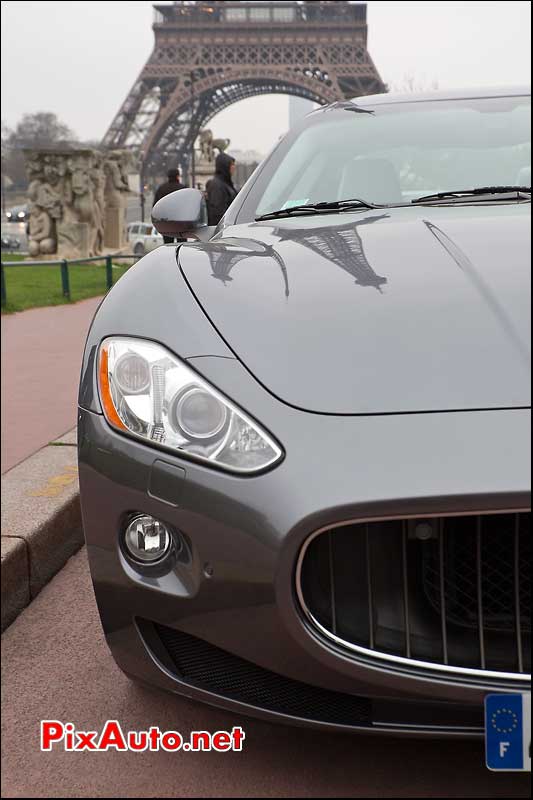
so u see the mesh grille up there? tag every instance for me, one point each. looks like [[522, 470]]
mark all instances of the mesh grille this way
[[497, 570], [207, 667]]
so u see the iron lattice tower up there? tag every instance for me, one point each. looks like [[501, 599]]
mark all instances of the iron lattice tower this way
[[207, 56]]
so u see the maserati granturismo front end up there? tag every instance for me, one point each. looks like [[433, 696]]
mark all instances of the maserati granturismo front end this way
[[304, 435]]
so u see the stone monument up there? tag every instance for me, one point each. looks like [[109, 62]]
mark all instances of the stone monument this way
[[77, 201], [206, 154]]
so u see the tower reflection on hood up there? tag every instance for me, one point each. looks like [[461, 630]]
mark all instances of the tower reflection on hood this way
[[341, 245], [226, 253]]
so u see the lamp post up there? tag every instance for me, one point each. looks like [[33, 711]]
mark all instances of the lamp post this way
[[141, 187], [193, 154]]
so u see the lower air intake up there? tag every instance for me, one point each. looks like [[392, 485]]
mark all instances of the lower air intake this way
[[207, 667]]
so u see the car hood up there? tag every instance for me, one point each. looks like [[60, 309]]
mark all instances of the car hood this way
[[390, 311]]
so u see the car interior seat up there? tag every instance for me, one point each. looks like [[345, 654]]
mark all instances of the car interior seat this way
[[524, 177], [373, 179]]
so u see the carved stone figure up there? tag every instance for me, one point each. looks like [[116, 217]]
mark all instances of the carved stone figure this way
[[116, 194], [44, 192], [208, 145], [46, 183], [117, 182], [98, 178], [41, 232], [221, 144], [83, 207]]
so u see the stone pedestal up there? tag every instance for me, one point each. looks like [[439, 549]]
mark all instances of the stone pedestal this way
[[114, 231], [204, 171]]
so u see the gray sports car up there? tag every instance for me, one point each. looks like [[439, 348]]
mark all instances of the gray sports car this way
[[304, 435]]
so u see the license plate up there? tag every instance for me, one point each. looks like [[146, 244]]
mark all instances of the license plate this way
[[508, 732]]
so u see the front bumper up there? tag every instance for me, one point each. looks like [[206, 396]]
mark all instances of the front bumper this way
[[236, 597]]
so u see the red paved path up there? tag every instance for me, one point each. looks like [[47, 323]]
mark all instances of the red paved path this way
[[56, 665], [41, 358]]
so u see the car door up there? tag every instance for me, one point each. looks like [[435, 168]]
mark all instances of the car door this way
[[152, 239], [133, 233]]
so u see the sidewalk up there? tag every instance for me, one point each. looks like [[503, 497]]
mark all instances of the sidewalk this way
[[41, 359], [41, 523]]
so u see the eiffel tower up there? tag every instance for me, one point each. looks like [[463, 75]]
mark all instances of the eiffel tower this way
[[208, 55]]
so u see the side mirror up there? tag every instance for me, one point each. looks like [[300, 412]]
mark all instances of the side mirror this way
[[180, 213]]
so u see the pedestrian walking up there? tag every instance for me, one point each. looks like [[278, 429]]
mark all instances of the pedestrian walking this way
[[220, 190], [173, 184]]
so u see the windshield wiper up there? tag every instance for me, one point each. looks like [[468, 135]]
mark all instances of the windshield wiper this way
[[473, 193], [318, 208]]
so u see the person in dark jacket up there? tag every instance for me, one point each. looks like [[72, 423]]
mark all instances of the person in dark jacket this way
[[220, 190], [172, 185]]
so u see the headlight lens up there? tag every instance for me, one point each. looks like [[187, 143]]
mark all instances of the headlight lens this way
[[148, 393], [198, 414]]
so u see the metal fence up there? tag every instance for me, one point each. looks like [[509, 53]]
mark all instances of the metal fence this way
[[63, 265]]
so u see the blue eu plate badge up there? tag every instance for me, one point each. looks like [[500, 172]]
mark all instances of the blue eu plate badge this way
[[508, 732]]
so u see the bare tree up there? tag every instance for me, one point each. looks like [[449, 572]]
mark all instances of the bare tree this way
[[6, 180], [42, 129], [6, 136]]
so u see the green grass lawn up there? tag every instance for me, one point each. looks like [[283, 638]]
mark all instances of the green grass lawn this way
[[30, 287]]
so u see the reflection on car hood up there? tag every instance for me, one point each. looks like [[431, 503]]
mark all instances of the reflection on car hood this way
[[397, 310]]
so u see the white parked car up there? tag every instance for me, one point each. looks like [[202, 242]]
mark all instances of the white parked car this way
[[143, 238]]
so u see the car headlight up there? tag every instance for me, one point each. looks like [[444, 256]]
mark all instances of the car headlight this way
[[148, 393], [21, 215]]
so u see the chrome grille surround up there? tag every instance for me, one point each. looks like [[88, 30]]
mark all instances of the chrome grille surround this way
[[408, 660]]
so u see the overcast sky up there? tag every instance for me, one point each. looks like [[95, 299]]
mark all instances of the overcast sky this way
[[79, 59]]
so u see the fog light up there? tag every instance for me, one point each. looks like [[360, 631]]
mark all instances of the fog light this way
[[147, 539]]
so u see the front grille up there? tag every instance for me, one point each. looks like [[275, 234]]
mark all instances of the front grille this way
[[207, 667], [448, 591]]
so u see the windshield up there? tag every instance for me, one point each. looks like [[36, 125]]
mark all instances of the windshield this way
[[400, 152]]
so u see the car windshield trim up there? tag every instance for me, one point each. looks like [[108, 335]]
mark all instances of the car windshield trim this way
[[460, 194], [319, 208]]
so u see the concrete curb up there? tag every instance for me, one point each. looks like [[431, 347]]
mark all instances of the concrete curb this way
[[41, 523]]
